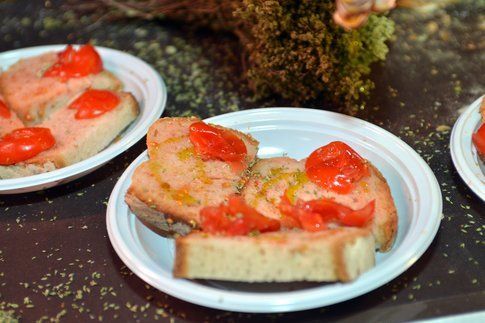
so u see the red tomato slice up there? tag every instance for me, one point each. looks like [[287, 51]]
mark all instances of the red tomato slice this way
[[312, 222], [72, 63], [235, 218], [251, 216], [4, 110], [289, 222], [289, 215], [214, 143], [213, 219], [24, 143], [360, 217], [336, 167], [93, 103], [328, 209], [300, 215], [479, 140], [315, 215]]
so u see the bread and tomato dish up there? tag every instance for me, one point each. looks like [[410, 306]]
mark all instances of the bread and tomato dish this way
[[478, 137], [240, 218], [57, 109], [169, 191]]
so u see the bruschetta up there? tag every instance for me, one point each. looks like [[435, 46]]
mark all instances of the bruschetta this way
[[57, 109], [274, 178], [33, 89], [168, 191], [76, 138]]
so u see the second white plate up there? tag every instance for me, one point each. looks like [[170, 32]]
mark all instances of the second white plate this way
[[295, 132], [463, 152], [138, 77]]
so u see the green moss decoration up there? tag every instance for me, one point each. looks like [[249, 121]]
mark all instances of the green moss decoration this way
[[297, 51], [292, 48]]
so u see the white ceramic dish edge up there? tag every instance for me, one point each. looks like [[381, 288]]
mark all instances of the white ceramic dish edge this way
[[463, 152]]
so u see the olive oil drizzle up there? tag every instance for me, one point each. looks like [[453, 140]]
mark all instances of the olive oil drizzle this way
[[298, 179], [181, 196], [154, 147], [189, 152]]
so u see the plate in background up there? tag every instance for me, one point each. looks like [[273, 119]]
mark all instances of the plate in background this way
[[463, 152], [295, 132], [138, 77]]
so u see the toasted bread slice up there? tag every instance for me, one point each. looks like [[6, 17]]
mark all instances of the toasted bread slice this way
[[76, 139], [11, 123], [331, 255], [271, 177], [168, 191], [34, 97]]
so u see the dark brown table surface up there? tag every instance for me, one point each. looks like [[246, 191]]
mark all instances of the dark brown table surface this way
[[56, 261]]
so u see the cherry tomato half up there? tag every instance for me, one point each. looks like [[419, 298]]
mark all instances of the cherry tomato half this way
[[93, 103], [72, 63], [24, 143], [315, 215], [215, 143], [235, 218], [4, 111], [336, 167]]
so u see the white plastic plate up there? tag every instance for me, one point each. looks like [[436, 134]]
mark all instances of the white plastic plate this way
[[138, 78], [463, 152], [295, 132]]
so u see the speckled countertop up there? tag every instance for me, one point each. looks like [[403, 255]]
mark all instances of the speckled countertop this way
[[56, 262]]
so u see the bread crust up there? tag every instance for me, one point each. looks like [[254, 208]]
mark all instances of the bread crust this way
[[387, 231], [166, 225], [180, 264]]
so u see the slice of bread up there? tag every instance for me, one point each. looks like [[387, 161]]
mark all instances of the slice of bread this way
[[9, 124], [76, 139], [25, 169], [333, 255], [168, 191], [34, 97], [270, 178]]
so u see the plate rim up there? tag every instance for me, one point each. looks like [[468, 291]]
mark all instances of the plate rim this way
[[357, 289], [79, 169], [461, 157]]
